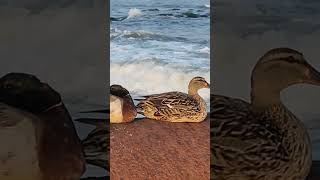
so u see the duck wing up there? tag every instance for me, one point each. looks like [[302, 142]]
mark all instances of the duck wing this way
[[223, 107], [169, 103], [96, 147], [242, 143]]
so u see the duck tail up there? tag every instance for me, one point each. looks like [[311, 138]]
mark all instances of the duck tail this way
[[140, 107], [96, 148], [140, 112]]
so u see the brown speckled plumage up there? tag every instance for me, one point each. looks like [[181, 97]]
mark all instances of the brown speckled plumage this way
[[272, 144], [263, 140], [176, 106]]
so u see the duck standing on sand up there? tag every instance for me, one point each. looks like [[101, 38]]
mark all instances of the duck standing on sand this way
[[263, 140], [122, 108], [176, 106], [38, 138]]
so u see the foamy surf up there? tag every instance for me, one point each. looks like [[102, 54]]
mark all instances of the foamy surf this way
[[141, 34], [153, 53], [134, 12], [205, 50], [144, 78]]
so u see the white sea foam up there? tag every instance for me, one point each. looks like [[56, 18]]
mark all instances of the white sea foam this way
[[205, 50], [207, 5], [134, 12], [141, 34], [143, 78]]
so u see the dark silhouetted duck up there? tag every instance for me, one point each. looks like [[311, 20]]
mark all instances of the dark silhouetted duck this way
[[176, 106], [122, 108], [38, 138], [96, 144], [263, 139]]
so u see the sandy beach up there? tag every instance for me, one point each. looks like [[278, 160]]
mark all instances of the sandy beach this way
[[149, 149]]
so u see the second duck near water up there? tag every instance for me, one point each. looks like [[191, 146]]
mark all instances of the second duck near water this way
[[176, 106]]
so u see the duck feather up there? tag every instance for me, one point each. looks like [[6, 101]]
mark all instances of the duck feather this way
[[245, 143]]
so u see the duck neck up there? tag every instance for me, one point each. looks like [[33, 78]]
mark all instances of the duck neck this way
[[193, 92], [263, 97]]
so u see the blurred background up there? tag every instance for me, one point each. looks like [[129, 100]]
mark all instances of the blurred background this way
[[62, 42], [245, 30]]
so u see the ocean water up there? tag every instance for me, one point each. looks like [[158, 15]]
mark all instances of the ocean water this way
[[245, 30], [159, 46]]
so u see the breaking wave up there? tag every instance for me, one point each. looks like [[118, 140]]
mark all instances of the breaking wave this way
[[152, 76], [134, 12], [143, 35]]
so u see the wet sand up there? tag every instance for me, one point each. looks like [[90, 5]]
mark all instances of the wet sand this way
[[149, 149]]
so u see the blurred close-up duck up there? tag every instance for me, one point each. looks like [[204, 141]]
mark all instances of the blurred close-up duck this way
[[96, 144], [176, 106], [37, 136], [262, 139], [122, 108]]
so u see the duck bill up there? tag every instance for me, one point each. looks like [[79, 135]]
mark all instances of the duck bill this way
[[208, 85], [313, 76]]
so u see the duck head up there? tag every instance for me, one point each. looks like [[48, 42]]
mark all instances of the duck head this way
[[119, 91], [278, 69], [27, 92], [197, 83], [122, 108]]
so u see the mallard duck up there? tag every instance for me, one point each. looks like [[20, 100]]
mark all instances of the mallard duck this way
[[176, 106], [38, 138], [263, 140], [122, 108]]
